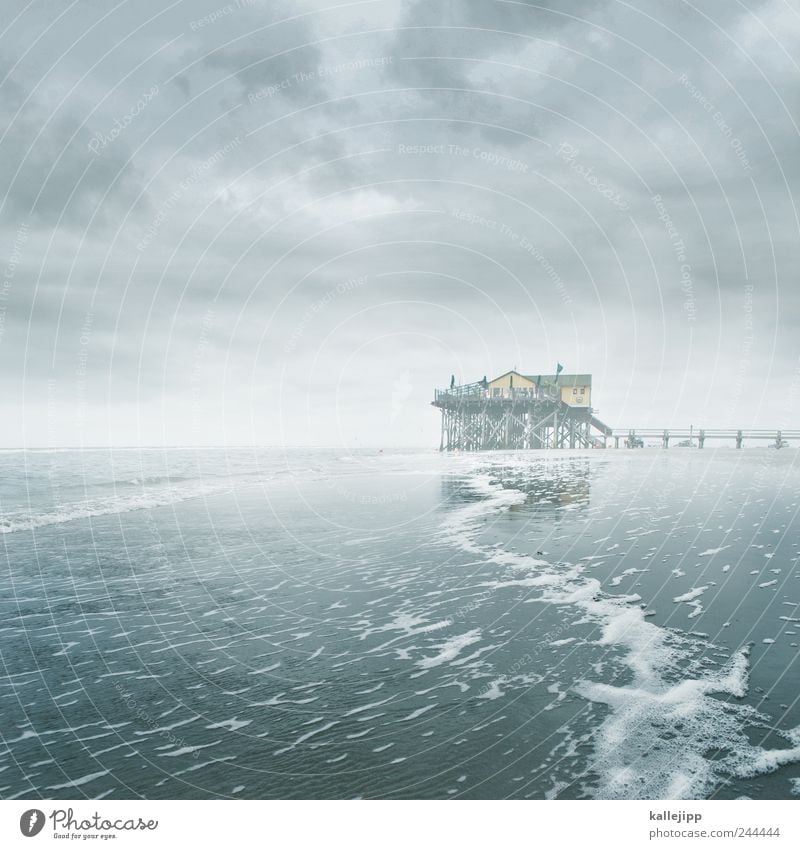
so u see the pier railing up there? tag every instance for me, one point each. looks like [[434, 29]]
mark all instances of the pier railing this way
[[468, 390], [634, 436], [477, 391]]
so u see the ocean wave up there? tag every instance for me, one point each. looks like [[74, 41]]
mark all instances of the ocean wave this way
[[92, 508], [659, 727]]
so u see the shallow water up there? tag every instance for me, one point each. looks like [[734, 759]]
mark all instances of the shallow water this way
[[298, 624]]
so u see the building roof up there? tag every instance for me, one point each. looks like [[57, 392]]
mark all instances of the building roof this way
[[506, 373], [563, 379]]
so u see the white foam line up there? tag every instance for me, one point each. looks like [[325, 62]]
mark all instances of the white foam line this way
[[371, 705], [418, 712], [78, 782], [265, 669], [231, 724], [653, 742], [691, 595], [450, 649], [303, 737], [188, 750], [161, 729], [143, 500], [711, 551]]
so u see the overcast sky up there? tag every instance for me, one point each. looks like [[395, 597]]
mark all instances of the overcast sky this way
[[287, 223]]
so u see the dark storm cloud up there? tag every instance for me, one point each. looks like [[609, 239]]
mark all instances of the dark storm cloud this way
[[322, 198], [48, 170], [470, 30], [278, 62]]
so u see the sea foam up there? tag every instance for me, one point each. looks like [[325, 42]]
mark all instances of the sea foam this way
[[660, 726]]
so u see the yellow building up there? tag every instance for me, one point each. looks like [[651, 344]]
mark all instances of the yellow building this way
[[574, 389], [501, 386], [519, 411]]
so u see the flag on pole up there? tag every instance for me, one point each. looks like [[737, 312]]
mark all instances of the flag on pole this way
[[559, 369]]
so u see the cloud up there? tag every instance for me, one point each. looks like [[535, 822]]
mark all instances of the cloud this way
[[48, 171], [516, 183]]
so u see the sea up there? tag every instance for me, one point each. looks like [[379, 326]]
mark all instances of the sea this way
[[271, 623]]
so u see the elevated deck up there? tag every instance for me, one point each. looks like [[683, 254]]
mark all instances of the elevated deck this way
[[473, 419], [548, 412]]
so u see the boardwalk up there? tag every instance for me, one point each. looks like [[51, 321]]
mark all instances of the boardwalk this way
[[691, 436], [516, 411]]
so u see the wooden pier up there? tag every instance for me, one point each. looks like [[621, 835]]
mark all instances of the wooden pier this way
[[691, 437], [516, 411]]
